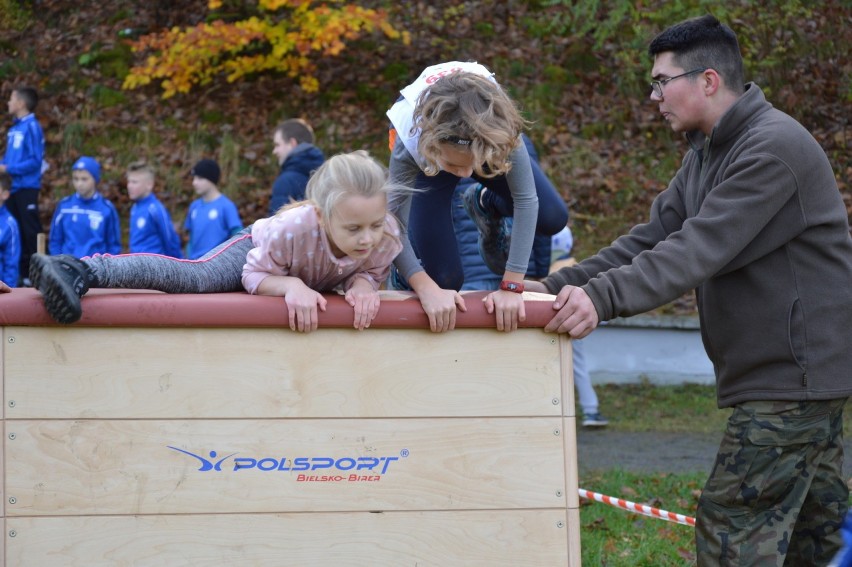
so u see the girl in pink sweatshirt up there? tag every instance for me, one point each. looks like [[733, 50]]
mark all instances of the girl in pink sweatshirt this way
[[341, 237]]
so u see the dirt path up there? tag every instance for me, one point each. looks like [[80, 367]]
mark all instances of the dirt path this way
[[656, 452]]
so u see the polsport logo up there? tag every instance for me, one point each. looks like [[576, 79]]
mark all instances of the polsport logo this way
[[372, 465]]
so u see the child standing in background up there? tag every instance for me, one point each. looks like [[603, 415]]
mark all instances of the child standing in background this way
[[10, 236], [151, 228], [562, 244], [85, 223], [212, 218], [24, 161], [341, 237]]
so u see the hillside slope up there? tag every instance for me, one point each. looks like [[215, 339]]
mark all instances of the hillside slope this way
[[600, 139]]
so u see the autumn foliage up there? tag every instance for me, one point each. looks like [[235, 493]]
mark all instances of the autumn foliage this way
[[283, 36], [578, 69]]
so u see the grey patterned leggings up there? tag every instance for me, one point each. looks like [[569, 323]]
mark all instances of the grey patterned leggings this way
[[218, 271]]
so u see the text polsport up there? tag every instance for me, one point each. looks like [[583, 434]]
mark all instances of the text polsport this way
[[315, 463]]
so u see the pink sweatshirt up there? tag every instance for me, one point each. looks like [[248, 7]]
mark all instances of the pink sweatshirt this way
[[292, 243]]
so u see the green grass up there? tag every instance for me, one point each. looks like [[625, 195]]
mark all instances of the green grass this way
[[14, 15], [686, 408], [613, 537]]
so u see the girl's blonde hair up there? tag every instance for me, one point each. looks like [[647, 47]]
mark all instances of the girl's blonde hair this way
[[468, 112], [342, 175]]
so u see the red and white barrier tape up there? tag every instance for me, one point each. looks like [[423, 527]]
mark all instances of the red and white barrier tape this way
[[638, 508]]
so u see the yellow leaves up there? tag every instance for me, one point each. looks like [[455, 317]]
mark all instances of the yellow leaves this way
[[393, 33], [273, 5], [309, 84], [184, 58]]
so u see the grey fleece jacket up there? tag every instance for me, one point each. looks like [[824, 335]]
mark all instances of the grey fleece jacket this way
[[755, 223]]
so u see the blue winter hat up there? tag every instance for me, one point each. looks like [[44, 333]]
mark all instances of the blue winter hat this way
[[89, 164]]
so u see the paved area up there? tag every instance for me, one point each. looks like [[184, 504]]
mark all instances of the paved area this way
[[645, 452], [657, 452]]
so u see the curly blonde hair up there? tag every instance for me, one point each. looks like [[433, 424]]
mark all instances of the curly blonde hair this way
[[469, 112]]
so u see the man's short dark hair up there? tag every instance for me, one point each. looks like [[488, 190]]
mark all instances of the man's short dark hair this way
[[703, 42], [30, 97], [297, 129]]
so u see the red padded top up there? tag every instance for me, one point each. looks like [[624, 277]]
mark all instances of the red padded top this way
[[142, 308]]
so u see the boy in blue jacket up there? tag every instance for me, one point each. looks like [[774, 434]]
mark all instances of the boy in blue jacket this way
[[212, 218], [151, 227], [10, 237], [23, 160], [85, 223]]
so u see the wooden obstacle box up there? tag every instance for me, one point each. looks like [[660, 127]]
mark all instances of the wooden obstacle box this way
[[170, 430]]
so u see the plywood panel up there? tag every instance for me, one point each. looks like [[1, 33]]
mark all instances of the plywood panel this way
[[56, 372], [569, 426], [217, 466], [440, 539], [3, 473]]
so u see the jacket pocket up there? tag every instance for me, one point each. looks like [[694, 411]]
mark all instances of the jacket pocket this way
[[797, 336]]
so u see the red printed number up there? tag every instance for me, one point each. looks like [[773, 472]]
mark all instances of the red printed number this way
[[432, 78]]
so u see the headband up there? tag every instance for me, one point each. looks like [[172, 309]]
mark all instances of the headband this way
[[457, 140]]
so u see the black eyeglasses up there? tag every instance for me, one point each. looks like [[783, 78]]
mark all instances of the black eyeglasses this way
[[657, 86]]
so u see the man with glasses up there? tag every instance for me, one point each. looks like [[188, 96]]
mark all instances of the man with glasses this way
[[754, 222]]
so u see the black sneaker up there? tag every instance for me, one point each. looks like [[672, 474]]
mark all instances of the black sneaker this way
[[493, 234], [595, 420], [62, 281]]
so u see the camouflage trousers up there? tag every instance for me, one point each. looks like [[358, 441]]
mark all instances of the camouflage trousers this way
[[776, 495]]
